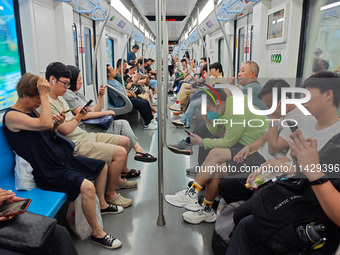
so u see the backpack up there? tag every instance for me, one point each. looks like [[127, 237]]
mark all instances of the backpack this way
[[224, 227], [281, 207]]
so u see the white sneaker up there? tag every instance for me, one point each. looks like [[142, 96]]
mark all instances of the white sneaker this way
[[153, 102], [154, 121], [182, 198], [174, 98], [151, 126], [175, 107], [206, 214]]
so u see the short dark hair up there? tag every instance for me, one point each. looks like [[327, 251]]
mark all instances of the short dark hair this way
[[132, 66], [136, 46], [205, 68], [325, 81], [221, 94], [184, 60], [107, 69], [57, 69], [274, 83], [74, 76], [150, 59], [205, 59], [217, 66], [27, 85], [119, 62]]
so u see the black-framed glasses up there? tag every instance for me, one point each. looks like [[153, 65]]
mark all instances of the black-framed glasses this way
[[66, 85]]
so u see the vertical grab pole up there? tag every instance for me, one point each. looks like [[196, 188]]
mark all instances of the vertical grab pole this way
[[123, 53], [165, 70], [205, 47], [231, 67], [96, 51], [160, 219]]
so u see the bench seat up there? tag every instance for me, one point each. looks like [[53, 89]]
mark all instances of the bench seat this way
[[44, 202]]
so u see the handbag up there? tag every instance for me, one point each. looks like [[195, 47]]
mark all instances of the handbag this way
[[26, 232], [103, 122]]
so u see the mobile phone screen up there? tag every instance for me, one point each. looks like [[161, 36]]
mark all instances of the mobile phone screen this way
[[187, 132], [87, 104], [14, 208], [291, 126]]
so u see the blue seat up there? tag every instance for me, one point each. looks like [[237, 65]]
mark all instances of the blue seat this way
[[44, 202]]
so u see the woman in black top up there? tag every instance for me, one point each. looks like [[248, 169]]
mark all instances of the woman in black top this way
[[55, 168]]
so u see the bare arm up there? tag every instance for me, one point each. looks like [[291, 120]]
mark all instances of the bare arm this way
[[99, 105], [70, 126], [327, 195], [17, 121]]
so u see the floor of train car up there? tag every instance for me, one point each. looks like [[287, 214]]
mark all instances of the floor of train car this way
[[136, 227]]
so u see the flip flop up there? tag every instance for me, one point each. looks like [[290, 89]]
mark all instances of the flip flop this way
[[131, 174], [146, 157]]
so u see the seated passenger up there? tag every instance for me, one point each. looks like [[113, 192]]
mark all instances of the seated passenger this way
[[146, 70], [138, 103], [184, 71], [33, 138], [76, 101], [325, 93], [234, 136], [247, 78], [108, 147], [135, 84], [59, 241]]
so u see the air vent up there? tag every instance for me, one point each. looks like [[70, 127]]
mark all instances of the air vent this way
[[168, 18]]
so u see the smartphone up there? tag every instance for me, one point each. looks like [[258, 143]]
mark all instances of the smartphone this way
[[14, 208], [87, 104], [291, 126], [186, 131]]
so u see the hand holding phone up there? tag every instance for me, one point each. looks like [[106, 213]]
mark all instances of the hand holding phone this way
[[186, 131], [87, 104], [18, 207], [292, 127]]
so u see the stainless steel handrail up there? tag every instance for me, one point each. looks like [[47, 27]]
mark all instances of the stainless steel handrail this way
[[160, 219], [226, 41], [96, 51]]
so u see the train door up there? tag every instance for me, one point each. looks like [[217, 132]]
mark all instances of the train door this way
[[221, 56], [84, 28], [244, 36]]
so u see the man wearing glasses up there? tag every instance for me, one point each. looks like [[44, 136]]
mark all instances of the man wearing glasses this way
[[107, 147]]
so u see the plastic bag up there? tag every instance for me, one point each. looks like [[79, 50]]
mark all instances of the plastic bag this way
[[77, 220], [24, 179]]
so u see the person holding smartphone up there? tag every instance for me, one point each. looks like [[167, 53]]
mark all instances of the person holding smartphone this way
[[58, 243], [76, 101], [32, 137]]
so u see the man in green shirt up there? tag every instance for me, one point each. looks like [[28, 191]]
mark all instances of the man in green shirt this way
[[236, 131]]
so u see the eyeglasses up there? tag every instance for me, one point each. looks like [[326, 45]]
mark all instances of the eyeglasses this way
[[66, 85]]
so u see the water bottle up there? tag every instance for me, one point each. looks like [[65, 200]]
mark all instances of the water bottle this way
[[261, 179]]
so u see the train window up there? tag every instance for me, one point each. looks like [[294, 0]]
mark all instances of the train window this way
[[110, 52], [221, 51], [240, 47], [88, 55], [322, 37], [75, 43], [251, 42]]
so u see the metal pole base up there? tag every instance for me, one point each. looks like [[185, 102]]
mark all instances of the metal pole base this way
[[161, 221]]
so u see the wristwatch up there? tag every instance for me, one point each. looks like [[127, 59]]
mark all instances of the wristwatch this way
[[273, 123], [320, 180]]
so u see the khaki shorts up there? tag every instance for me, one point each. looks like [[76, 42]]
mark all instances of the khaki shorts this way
[[98, 146]]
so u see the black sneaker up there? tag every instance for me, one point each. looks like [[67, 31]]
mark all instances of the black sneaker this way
[[108, 241], [112, 209]]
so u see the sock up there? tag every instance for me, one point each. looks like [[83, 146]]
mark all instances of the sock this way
[[196, 186], [207, 203]]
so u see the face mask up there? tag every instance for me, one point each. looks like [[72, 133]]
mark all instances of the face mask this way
[[200, 65], [212, 115]]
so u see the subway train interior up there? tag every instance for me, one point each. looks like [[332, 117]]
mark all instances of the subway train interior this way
[[177, 56]]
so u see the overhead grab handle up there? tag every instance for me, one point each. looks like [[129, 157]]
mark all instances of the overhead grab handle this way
[[99, 10], [235, 6], [83, 6], [223, 12]]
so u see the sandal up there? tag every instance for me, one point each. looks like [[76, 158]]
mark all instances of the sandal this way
[[127, 185], [131, 174], [146, 157]]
